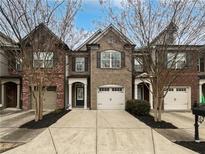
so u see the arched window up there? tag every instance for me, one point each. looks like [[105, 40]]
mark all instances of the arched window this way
[[110, 59]]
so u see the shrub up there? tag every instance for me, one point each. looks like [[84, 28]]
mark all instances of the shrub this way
[[138, 107]]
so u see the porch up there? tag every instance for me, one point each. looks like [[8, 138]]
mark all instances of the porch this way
[[143, 90], [10, 92], [77, 93]]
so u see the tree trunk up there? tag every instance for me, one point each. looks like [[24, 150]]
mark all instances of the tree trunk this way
[[155, 108]]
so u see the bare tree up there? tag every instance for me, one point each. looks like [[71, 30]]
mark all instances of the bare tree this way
[[18, 20], [155, 27]]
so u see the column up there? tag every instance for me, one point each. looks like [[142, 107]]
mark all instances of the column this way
[[18, 96], [136, 92], [151, 96], [70, 97], [2, 95], [85, 96], [200, 92]]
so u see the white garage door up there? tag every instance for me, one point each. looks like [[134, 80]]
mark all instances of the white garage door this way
[[177, 98], [50, 97], [111, 98]]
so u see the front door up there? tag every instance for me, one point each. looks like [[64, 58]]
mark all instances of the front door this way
[[79, 96], [11, 94]]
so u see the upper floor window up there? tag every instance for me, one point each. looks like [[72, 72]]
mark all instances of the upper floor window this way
[[110, 59], [138, 64], [201, 64], [79, 64], [43, 59], [176, 60]]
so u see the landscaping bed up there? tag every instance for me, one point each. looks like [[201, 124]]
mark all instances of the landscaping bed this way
[[47, 120], [197, 147], [149, 120]]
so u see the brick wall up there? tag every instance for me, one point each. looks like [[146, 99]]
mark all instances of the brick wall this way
[[100, 76]]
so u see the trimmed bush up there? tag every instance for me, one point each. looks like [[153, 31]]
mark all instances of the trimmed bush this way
[[138, 107]]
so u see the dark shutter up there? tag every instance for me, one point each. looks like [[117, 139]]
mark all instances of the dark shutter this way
[[55, 59], [123, 59], [98, 59], [86, 64], [73, 63]]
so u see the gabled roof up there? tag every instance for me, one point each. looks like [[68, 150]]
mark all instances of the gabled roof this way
[[89, 39], [99, 34], [171, 27], [43, 26], [6, 41]]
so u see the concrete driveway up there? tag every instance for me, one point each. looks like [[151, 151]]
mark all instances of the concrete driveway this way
[[11, 135], [185, 123], [103, 132]]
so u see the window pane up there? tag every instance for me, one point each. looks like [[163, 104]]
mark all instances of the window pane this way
[[105, 59], [138, 64], [80, 64], [202, 66], [116, 59], [105, 63], [176, 60], [43, 59]]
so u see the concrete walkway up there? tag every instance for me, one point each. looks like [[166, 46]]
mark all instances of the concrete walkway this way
[[102, 132]]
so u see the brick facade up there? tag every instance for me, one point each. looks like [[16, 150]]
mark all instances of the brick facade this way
[[101, 76], [54, 76]]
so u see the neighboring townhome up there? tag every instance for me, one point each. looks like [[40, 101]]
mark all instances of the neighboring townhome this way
[[10, 80], [178, 68], [43, 67]]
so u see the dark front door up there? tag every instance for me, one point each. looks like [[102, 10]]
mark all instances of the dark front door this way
[[79, 96], [11, 94]]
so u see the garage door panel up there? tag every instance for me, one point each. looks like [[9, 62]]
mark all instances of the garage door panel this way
[[50, 97], [177, 98], [111, 98]]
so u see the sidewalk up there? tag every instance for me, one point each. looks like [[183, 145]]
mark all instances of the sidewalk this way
[[103, 132]]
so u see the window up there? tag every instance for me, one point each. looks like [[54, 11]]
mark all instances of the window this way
[[104, 89], [201, 64], [170, 89], [79, 64], [138, 64], [43, 59], [176, 60], [117, 89], [110, 59], [181, 89]]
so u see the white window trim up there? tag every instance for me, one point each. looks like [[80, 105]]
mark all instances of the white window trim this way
[[110, 59]]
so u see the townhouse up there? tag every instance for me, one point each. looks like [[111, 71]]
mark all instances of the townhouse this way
[[104, 72]]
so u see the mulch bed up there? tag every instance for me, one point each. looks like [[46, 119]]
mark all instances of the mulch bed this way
[[47, 120], [198, 147], [149, 120]]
